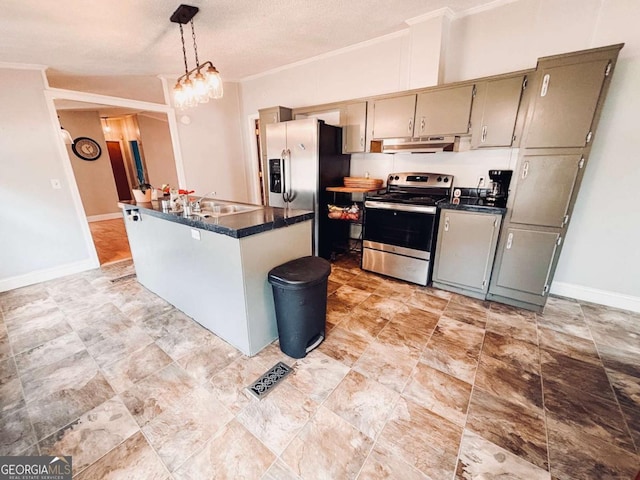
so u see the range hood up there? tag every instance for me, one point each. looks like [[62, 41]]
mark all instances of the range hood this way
[[433, 144]]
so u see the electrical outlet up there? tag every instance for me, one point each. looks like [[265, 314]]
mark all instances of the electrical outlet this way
[[480, 181], [195, 234]]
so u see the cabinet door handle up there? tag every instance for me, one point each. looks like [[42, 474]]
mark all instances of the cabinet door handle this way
[[509, 241], [362, 141], [446, 224], [422, 125], [545, 85], [525, 170], [410, 129], [484, 134]]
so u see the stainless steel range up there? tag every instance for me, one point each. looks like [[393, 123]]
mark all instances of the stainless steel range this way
[[399, 225]]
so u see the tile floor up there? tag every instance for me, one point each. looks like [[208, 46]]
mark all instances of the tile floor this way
[[110, 239], [411, 383]]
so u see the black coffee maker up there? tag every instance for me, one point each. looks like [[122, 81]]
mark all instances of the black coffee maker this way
[[500, 180]]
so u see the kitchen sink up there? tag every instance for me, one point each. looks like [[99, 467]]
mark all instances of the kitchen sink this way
[[219, 209]]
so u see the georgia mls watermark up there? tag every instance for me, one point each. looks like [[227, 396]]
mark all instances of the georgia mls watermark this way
[[35, 468]]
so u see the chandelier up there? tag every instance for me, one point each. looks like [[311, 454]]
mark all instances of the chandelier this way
[[201, 83]]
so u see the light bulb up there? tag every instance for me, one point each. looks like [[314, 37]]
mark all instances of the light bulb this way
[[200, 88], [190, 97], [214, 82], [179, 97]]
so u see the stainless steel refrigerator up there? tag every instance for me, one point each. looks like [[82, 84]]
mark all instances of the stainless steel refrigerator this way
[[304, 158]]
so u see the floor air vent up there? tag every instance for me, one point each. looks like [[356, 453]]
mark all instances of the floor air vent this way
[[123, 278], [267, 382]]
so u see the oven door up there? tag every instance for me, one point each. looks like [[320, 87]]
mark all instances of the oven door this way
[[397, 240], [406, 226]]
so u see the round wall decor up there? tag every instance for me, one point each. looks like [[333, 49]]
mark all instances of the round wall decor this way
[[86, 148]]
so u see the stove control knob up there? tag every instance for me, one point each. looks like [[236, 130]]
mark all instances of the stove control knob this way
[[397, 177], [446, 179], [439, 179], [390, 177]]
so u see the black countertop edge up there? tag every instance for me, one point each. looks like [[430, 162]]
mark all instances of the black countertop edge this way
[[237, 225], [473, 205]]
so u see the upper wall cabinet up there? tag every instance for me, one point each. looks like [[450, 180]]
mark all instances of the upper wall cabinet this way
[[393, 117], [495, 111], [443, 112], [354, 123], [565, 104]]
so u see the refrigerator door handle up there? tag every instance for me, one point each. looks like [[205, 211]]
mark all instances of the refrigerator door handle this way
[[287, 194], [284, 175]]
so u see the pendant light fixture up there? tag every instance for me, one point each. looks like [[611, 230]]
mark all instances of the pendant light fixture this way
[[202, 82]]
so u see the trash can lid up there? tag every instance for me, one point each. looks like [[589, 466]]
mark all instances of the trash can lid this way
[[300, 273]]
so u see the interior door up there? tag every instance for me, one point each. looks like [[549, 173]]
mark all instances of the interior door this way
[[119, 170], [544, 189]]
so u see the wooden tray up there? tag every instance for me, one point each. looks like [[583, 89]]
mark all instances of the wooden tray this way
[[361, 182]]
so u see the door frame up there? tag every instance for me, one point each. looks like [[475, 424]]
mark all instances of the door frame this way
[[52, 94], [253, 179]]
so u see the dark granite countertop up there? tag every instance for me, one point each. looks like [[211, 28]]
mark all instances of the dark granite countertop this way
[[237, 225], [472, 204]]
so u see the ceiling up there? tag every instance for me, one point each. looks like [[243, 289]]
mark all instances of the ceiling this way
[[241, 37]]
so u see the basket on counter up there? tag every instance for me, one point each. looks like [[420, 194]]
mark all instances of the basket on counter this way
[[362, 182]]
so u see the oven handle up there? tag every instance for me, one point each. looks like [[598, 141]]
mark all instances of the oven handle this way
[[401, 207]]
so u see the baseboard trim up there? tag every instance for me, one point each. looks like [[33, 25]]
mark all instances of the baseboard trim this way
[[104, 216], [38, 276], [594, 295]]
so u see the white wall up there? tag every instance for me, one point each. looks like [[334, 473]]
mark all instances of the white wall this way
[[94, 178], [602, 246], [211, 144], [41, 236], [599, 261], [155, 139]]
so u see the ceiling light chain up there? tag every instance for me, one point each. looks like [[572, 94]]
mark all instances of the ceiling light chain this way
[[195, 46], [205, 85], [184, 52]]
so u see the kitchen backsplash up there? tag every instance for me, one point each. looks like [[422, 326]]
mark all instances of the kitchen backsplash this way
[[466, 167]]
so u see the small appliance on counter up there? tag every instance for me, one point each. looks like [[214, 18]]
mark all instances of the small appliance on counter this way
[[500, 180]]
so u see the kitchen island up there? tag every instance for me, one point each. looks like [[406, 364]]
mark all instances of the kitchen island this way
[[215, 269]]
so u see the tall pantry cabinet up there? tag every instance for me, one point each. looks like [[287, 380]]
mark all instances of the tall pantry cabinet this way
[[569, 91]]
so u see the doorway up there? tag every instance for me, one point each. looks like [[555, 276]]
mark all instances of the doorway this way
[[261, 173], [110, 240], [119, 171]]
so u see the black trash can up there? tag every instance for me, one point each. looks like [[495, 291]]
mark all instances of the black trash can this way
[[300, 297]]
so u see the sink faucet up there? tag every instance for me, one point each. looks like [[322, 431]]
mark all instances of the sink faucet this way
[[196, 204]]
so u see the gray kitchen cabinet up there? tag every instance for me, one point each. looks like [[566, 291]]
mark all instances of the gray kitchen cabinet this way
[[525, 262], [354, 124], [563, 112], [465, 251], [443, 111], [495, 111], [547, 207], [266, 117], [393, 117], [566, 99]]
